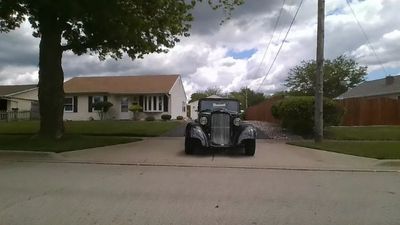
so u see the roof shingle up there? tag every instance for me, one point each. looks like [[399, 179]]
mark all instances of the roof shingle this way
[[145, 84], [373, 88], [12, 89]]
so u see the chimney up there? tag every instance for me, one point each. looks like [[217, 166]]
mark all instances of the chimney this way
[[389, 80]]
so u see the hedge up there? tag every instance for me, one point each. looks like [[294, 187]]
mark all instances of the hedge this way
[[297, 113]]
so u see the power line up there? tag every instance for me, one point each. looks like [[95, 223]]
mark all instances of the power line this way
[[273, 33], [283, 41], [366, 37]]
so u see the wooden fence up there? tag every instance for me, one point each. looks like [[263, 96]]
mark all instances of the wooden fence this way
[[377, 111], [262, 111], [357, 111]]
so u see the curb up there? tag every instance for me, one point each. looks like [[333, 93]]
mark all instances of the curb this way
[[211, 166]]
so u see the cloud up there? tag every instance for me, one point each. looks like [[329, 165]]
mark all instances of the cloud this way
[[230, 55]]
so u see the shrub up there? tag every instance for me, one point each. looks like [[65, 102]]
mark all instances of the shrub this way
[[150, 118], [135, 109], [102, 108], [166, 117], [297, 113], [179, 117]]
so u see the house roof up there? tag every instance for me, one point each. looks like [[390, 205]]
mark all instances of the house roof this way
[[6, 90], [371, 88], [144, 84]]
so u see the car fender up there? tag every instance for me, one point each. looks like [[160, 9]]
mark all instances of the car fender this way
[[247, 132], [194, 131]]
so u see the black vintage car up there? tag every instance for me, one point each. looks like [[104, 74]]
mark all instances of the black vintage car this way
[[219, 125]]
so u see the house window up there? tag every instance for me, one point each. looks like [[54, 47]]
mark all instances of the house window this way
[[153, 103], [160, 103], [183, 107], [124, 104], [97, 99], [68, 104]]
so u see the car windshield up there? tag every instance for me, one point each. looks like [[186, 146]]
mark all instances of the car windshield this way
[[211, 105]]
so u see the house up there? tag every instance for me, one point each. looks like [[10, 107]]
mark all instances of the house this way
[[192, 107], [157, 94], [18, 101], [375, 102], [388, 87]]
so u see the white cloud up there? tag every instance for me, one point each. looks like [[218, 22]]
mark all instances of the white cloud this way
[[202, 59]]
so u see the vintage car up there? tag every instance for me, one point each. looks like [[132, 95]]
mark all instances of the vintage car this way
[[219, 125]]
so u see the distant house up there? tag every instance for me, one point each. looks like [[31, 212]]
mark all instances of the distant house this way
[[388, 87], [157, 94], [15, 100], [192, 109]]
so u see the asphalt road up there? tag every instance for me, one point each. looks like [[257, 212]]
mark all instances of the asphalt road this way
[[78, 193]]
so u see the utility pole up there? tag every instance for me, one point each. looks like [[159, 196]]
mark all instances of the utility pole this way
[[319, 76], [247, 105]]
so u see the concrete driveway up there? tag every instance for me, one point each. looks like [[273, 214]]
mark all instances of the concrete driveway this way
[[269, 154]]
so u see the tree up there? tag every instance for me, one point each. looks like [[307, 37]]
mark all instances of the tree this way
[[253, 98], [204, 94], [106, 28], [340, 74], [135, 109]]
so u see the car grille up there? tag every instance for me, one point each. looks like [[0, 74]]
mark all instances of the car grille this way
[[220, 128]]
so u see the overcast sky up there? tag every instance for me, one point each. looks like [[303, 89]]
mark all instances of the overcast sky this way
[[230, 55]]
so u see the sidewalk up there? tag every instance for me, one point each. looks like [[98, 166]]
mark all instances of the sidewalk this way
[[168, 151]]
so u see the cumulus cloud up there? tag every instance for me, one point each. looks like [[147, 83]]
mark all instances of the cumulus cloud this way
[[210, 57]]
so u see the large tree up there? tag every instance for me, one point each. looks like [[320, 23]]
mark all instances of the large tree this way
[[102, 27], [340, 74]]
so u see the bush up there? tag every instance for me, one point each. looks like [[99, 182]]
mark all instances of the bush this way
[[179, 117], [150, 118], [297, 113], [166, 117]]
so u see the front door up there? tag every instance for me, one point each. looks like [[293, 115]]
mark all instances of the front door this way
[[124, 107]]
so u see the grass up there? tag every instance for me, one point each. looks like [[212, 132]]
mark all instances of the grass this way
[[379, 142], [20, 135], [67, 143], [363, 133], [103, 128], [371, 149]]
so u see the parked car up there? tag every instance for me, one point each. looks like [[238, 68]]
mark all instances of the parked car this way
[[219, 125]]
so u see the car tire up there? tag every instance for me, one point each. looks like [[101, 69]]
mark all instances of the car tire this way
[[189, 146], [250, 147]]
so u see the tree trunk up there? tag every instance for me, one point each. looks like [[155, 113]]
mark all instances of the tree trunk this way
[[51, 80]]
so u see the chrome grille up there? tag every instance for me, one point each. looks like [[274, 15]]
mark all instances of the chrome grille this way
[[220, 128]]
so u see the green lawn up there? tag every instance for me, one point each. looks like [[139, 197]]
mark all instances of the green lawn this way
[[103, 128], [79, 134], [363, 133], [371, 149], [67, 143]]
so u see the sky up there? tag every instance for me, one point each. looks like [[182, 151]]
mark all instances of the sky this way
[[233, 55]]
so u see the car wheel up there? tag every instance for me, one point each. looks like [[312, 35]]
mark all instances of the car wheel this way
[[250, 147], [189, 146]]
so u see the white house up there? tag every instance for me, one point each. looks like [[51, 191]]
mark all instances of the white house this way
[[157, 94], [18, 101]]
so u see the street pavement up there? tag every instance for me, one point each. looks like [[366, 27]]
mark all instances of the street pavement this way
[[153, 182], [38, 193]]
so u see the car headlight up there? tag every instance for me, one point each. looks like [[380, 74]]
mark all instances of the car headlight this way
[[236, 121], [203, 120]]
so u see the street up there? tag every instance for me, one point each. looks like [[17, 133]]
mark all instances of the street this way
[[80, 193]]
